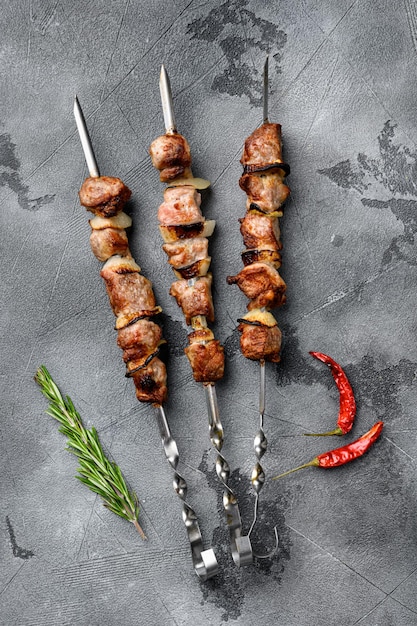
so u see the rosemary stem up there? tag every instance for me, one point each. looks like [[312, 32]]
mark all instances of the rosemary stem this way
[[96, 470], [139, 529]]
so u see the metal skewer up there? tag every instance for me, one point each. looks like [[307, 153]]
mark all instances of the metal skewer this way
[[204, 561], [240, 545], [260, 442], [260, 445], [266, 90], [167, 104], [85, 140]]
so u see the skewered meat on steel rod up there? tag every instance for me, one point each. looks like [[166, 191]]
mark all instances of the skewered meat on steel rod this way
[[133, 303], [260, 338], [185, 231]]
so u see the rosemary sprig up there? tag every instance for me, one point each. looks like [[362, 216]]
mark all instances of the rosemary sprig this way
[[95, 470]]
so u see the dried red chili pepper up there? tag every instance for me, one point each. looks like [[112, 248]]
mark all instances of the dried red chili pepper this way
[[347, 404], [342, 455]]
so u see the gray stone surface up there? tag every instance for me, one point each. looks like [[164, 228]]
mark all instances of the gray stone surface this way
[[344, 87]]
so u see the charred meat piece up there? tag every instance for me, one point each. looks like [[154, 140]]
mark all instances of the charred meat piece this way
[[266, 192], [207, 361], [104, 195], [263, 149], [139, 340], [171, 155], [129, 292], [261, 283], [181, 206], [186, 252], [259, 342], [108, 242], [194, 299], [150, 382], [260, 231]]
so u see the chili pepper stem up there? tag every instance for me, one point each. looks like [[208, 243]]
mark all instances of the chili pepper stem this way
[[336, 431], [139, 529], [313, 462]]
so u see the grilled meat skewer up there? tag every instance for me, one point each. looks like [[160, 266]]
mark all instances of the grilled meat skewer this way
[[262, 180], [138, 335], [185, 231]]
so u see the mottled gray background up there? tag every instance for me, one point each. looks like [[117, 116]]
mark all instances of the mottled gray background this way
[[344, 87]]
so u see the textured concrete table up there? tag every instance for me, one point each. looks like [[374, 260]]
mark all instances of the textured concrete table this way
[[344, 87]]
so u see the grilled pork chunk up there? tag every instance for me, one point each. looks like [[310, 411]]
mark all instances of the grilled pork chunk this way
[[263, 148], [181, 206], [186, 252], [260, 231], [130, 293], [259, 342], [104, 195], [261, 283], [150, 382], [171, 155], [109, 241], [194, 297], [266, 192], [207, 360], [139, 340]]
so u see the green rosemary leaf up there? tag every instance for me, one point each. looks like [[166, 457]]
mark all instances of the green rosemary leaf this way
[[93, 488], [96, 471]]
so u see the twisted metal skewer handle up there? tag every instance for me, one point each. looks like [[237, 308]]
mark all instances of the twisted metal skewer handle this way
[[260, 445], [240, 544], [260, 442], [204, 561]]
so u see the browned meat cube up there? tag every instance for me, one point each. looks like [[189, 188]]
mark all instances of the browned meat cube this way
[[171, 155], [104, 195], [129, 292], [259, 342], [266, 192], [181, 206], [150, 382], [263, 148], [207, 361], [139, 340], [108, 242], [260, 231], [186, 252], [261, 283], [194, 299]]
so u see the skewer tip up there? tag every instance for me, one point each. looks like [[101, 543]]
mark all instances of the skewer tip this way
[[166, 99], [85, 139]]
